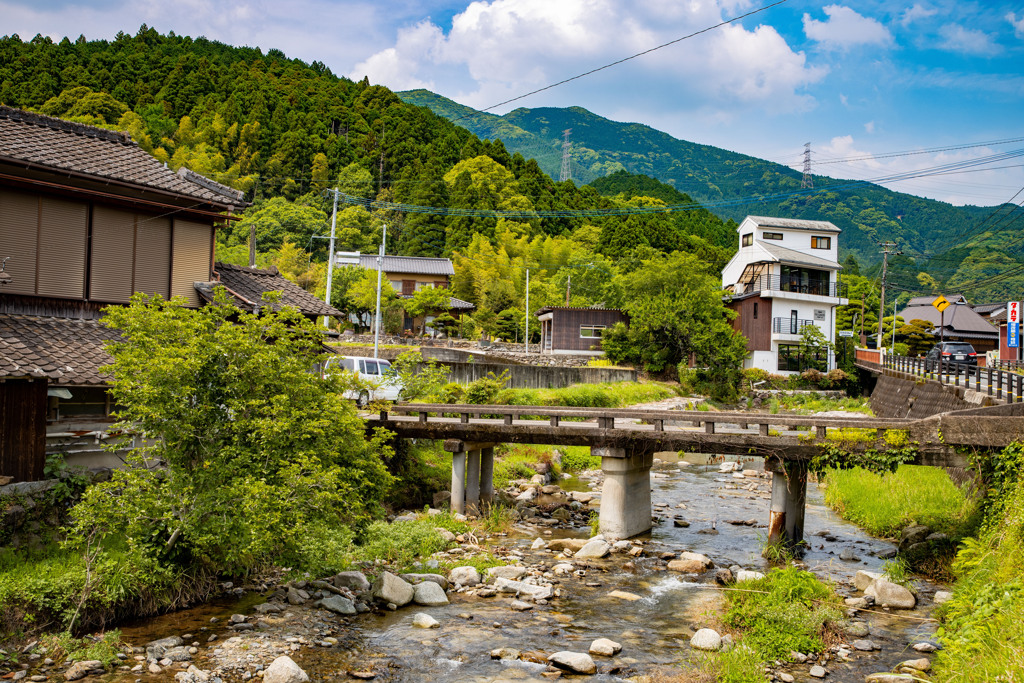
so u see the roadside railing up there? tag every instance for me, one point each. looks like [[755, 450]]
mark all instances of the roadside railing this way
[[999, 383], [1012, 365]]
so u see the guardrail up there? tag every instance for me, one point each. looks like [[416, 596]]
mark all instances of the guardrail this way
[[998, 383], [786, 325], [1013, 365]]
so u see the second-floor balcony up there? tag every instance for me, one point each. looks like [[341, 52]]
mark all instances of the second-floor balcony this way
[[798, 285], [789, 325]]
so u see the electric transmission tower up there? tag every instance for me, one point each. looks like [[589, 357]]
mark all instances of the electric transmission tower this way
[[808, 181], [566, 173]]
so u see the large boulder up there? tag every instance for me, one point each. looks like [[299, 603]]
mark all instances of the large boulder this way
[[559, 544], [82, 669], [605, 647], [595, 549], [887, 593], [913, 535], [690, 563], [422, 620], [355, 581], [429, 594], [338, 605], [464, 576], [284, 670], [508, 572], [521, 588], [576, 662], [862, 579], [420, 578], [706, 639], [392, 589]]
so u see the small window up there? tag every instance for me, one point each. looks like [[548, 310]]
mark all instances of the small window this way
[[748, 239], [772, 235], [755, 310], [591, 331], [821, 242], [369, 367]]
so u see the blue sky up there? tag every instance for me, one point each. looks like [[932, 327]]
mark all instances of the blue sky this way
[[885, 83]]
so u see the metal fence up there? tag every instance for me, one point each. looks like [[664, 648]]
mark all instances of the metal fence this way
[[789, 325], [995, 382], [780, 283]]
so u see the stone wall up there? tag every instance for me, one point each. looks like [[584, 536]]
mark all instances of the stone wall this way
[[896, 396], [534, 377]]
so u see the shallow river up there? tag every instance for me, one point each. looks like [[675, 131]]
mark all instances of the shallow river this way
[[654, 630]]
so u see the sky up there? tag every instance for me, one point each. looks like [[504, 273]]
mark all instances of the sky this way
[[878, 89]]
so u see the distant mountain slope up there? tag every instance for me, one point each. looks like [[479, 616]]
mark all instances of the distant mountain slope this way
[[866, 213]]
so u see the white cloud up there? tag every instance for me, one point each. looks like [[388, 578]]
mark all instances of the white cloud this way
[[869, 127], [956, 38], [1018, 24], [498, 49], [844, 100], [915, 13], [845, 29]]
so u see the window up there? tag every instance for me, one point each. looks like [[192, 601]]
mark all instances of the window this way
[[755, 310], [821, 242], [772, 235], [408, 287], [748, 239], [791, 359], [591, 331]]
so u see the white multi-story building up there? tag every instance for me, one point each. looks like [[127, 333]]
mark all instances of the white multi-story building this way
[[784, 276]]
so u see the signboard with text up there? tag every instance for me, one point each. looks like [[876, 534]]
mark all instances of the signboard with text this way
[[1012, 324]]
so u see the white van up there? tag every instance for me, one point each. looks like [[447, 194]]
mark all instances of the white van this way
[[380, 381]]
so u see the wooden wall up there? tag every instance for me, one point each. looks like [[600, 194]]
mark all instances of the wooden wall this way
[[565, 327], [23, 428], [758, 331]]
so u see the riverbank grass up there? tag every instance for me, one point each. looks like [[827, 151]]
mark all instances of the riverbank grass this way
[[884, 504]]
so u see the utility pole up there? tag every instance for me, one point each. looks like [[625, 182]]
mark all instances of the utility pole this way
[[330, 255], [526, 339], [568, 286], [887, 249], [252, 246], [380, 269], [807, 181]]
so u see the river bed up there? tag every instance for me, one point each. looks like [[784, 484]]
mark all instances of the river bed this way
[[653, 630]]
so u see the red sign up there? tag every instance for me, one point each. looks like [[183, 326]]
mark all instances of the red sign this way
[[1013, 311]]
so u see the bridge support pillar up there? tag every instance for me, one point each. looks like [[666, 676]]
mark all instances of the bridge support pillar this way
[[459, 483], [626, 495], [789, 496], [487, 475], [473, 482]]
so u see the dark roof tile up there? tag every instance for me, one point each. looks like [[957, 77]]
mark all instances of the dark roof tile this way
[[67, 351], [248, 285]]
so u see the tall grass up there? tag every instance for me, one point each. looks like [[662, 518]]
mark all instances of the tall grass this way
[[885, 504], [612, 395]]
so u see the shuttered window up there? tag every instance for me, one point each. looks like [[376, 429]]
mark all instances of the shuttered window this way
[[113, 248], [63, 227], [408, 287], [19, 228], [153, 255], [191, 259]]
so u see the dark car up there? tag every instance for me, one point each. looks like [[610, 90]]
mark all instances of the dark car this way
[[954, 352]]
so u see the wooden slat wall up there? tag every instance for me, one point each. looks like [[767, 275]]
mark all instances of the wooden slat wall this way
[[757, 331], [566, 328], [63, 234], [19, 225], [153, 256], [191, 259], [113, 246], [23, 429]]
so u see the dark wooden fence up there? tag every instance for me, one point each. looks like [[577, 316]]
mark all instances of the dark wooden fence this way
[[22, 428]]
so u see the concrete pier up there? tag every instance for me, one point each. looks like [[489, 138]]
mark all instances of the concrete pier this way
[[789, 496], [473, 482], [626, 495], [459, 483], [486, 475]]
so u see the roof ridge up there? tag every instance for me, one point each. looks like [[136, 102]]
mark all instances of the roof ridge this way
[[33, 118]]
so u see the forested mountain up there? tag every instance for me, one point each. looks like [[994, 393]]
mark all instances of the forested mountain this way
[[925, 229]]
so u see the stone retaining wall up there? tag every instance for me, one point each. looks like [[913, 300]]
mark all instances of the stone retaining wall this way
[[906, 397]]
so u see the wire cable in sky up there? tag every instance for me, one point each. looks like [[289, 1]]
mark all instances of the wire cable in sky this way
[[624, 59]]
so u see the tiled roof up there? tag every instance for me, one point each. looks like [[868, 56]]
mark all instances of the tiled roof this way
[[67, 351], [990, 309], [418, 265], [927, 300], [453, 304], [248, 285], [958, 319], [799, 258], [793, 224], [59, 145]]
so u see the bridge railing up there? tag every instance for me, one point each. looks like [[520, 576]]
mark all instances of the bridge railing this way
[[1012, 365], [999, 383]]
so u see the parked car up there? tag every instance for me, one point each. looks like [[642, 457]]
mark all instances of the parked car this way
[[377, 379], [954, 352]]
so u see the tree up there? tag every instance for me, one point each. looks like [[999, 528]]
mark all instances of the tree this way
[[814, 348], [256, 451], [675, 311], [427, 300], [363, 294]]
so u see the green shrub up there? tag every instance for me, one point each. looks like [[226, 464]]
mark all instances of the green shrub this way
[[484, 390], [452, 392], [103, 648], [400, 543], [579, 458]]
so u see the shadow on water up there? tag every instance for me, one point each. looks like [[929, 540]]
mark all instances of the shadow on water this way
[[653, 623]]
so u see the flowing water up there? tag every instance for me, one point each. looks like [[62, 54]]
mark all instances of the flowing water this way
[[653, 630]]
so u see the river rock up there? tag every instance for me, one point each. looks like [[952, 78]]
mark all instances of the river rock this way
[[594, 549], [506, 653], [886, 592], [154, 668], [521, 588], [192, 675], [538, 544], [848, 555], [582, 496], [690, 563], [562, 569], [925, 647], [353, 580], [863, 579], [942, 596], [464, 576], [605, 647], [817, 671], [723, 577], [748, 575], [338, 605], [560, 544], [82, 669], [886, 677], [623, 595], [913, 535], [429, 594], [422, 620], [915, 664], [857, 629], [178, 654], [527, 495], [520, 606], [576, 662], [785, 677], [706, 639], [856, 603], [433, 578], [507, 572], [863, 645], [285, 670], [622, 546], [392, 589]]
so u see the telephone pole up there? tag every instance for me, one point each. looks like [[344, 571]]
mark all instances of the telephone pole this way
[[887, 249], [330, 256]]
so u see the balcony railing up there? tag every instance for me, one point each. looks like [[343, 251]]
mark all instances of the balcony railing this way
[[789, 325], [779, 283]]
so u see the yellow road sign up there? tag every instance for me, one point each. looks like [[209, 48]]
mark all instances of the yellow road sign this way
[[942, 303]]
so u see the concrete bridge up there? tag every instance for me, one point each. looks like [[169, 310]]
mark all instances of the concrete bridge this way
[[973, 382], [627, 439]]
